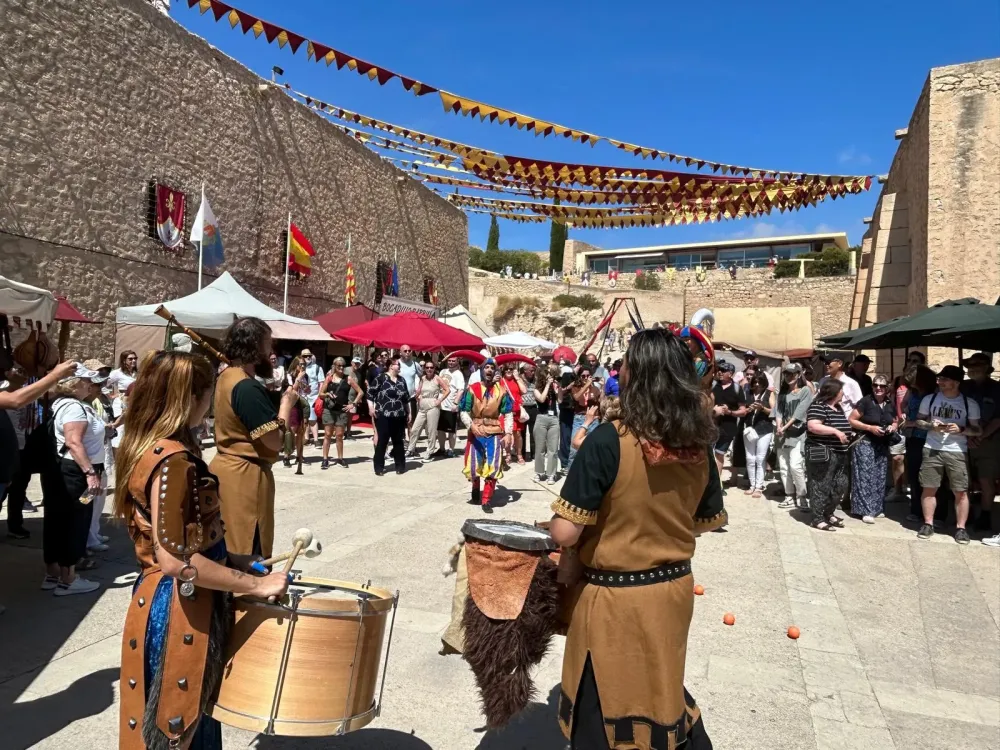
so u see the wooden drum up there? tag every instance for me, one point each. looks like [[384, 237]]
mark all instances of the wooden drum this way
[[308, 665]]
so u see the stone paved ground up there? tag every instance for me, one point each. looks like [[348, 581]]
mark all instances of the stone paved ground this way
[[900, 645]]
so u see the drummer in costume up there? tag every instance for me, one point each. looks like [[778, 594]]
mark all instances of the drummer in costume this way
[[487, 410], [177, 621], [248, 437], [640, 490]]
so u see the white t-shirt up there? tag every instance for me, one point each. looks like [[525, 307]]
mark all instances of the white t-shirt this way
[[852, 392], [121, 379], [456, 384], [410, 373], [117, 409], [316, 376], [68, 410], [950, 411]]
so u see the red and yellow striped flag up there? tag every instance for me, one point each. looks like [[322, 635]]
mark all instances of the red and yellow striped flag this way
[[300, 251], [351, 293]]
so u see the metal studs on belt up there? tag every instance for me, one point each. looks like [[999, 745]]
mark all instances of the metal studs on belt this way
[[132, 644], [131, 723], [621, 578], [131, 684], [182, 683], [631, 578], [188, 639], [176, 724], [142, 602]]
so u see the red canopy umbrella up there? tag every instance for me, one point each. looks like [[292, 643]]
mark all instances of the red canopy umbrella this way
[[343, 317], [66, 313], [421, 333], [564, 352]]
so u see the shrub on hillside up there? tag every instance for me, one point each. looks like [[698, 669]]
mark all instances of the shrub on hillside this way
[[520, 261], [581, 301], [648, 281], [831, 262], [507, 306], [786, 269]]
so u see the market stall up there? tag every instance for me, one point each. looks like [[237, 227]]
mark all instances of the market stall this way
[[208, 311], [422, 333], [459, 317], [518, 341], [26, 314]]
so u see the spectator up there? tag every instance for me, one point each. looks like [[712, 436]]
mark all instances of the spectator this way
[[851, 391], [758, 432], [606, 410], [730, 405], [950, 419], [298, 420], [597, 371], [96, 542], [275, 382], [874, 419], [914, 358], [70, 482], [375, 368], [14, 462], [566, 415], [546, 433], [530, 405], [829, 433], [410, 371], [751, 362], [128, 369], [391, 398], [920, 381], [794, 400], [515, 388], [431, 392], [315, 375], [339, 403], [582, 394], [859, 372], [611, 388], [897, 448], [984, 451], [448, 424]]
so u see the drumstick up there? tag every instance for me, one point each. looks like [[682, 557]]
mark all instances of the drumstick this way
[[301, 538], [315, 548], [164, 313]]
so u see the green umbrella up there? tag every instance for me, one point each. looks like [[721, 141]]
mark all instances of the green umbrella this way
[[984, 335], [837, 339], [912, 330]]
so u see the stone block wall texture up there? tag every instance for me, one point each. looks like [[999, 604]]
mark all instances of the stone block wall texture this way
[[98, 98], [935, 232]]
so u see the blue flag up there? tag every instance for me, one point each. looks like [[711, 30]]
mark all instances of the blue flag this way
[[395, 279], [205, 232]]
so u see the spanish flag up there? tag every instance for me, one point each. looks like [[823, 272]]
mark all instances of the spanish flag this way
[[300, 251]]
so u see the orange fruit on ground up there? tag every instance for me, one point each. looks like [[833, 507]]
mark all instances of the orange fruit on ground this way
[[793, 632], [699, 589], [729, 618]]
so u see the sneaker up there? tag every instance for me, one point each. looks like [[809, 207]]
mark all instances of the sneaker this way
[[449, 453], [984, 521], [21, 533], [880, 515], [342, 463], [926, 531], [104, 538], [992, 541], [80, 585], [538, 478], [867, 519], [49, 583], [428, 458], [487, 509], [913, 518], [552, 480], [102, 547], [962, 536], [326, 464], [788, 502], [29, 507]]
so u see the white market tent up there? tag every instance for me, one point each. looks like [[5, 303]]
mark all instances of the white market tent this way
[[519, 340], [209, 310], [26, 303], [459, 317]]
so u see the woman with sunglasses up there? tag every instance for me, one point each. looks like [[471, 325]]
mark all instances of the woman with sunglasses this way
[[431, 392], [128, 369], [875, 419]]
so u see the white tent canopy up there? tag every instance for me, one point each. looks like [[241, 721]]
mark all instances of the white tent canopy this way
[[518, 340], [26, 303], [459, 317], [216, 306]]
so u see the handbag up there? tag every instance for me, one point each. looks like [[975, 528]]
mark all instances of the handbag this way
[[817, 453]]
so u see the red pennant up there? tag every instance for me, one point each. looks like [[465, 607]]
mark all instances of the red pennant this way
[[220, 9], [246, 21], [270, 31], [294, 41], [321, 51]]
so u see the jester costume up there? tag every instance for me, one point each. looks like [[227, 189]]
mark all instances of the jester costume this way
[[487, 407]]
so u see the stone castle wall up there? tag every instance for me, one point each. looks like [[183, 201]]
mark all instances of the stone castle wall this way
[[99, 98]]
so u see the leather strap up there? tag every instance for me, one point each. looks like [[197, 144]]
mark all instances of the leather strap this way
[[143, 470], [621, 579], [184, 660]]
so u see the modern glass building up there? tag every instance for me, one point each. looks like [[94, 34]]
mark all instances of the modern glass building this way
[[749, 253]]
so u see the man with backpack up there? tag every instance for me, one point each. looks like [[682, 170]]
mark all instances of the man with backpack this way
[[950, 419]]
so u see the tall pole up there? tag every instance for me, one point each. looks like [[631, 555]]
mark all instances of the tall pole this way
[[201, 233], [288, 256]]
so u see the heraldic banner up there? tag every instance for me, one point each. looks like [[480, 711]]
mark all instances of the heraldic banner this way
[[170, 205]]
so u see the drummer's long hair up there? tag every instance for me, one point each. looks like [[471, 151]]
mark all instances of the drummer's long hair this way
[[661, 397], [169, 386]]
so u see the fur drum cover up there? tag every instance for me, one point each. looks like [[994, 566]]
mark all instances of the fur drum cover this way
[[502, 652]]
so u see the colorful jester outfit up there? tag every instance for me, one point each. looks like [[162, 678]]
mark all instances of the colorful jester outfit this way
[[490, 409]]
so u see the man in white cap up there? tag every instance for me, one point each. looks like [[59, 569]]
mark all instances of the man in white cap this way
[[316, 375]]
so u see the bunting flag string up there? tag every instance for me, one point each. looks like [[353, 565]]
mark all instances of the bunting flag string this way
[[465, 106]]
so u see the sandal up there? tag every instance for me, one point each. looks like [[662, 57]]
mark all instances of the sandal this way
[[823, 526], [748, 491], [835, 521], [756, 493]]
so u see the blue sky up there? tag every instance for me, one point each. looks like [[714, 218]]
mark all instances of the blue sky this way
[[812, 87]]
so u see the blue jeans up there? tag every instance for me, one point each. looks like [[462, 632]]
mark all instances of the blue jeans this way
[[577, 424], [565, 439]]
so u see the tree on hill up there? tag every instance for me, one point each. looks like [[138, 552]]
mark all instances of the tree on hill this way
[[493, 241], [557, 242]]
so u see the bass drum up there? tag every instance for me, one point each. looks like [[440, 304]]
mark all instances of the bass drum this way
[[306, 666]]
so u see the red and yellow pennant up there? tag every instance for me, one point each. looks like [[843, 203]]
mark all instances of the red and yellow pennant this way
[[300, 251], [351, 290]]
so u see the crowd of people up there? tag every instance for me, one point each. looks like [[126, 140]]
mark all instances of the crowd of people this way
[[856, 441]]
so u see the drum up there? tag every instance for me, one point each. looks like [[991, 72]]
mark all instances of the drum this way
[[308, 665]]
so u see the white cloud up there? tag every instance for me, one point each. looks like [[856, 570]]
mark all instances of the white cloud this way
[[851, 155]]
